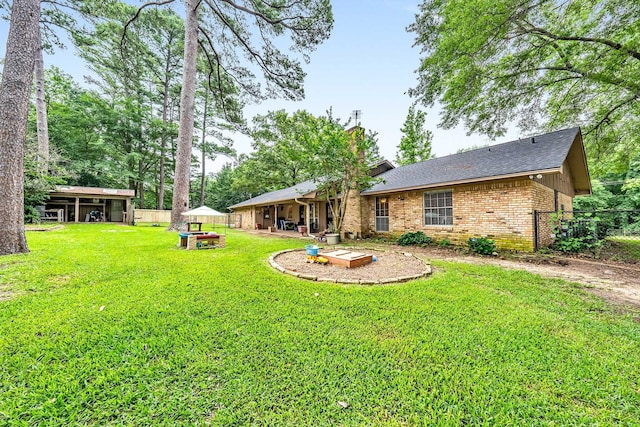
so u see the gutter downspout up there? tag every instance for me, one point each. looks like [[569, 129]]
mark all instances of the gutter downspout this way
[[306, 213]]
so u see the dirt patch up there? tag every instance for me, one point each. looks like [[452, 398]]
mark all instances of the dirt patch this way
[[617, 282], [5, 294], [390, 266], [42, 227]]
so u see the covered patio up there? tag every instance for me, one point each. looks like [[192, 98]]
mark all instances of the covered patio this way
[[78, 203], [274, 232], [295, 216], [296, 210], [301, 205]]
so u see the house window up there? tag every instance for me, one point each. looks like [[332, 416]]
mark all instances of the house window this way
[[438, 208], [382, 214]]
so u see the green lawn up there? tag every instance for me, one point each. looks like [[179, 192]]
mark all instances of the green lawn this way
[[622, 248], [113, 325]]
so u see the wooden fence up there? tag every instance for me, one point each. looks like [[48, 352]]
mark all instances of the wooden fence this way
[[164, 216]]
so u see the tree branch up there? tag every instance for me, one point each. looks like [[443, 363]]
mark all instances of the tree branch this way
[[614, 45], [259, 59], [218, 62], [569, 66], [137, 15], [264, 17], [215, 67], [605, 119]]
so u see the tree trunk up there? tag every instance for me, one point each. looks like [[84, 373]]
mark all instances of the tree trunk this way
[[163, 140], [22, 42], [141, 184], [187, 105], [203, 177], [41, 112], [203, 181], [141, 195], [161, 173]]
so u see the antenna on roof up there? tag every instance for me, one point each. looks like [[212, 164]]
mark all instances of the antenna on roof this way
[[356, 115]]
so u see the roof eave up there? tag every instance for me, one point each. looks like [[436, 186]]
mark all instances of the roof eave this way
[[465, 181], [310, 195], [577, 159]]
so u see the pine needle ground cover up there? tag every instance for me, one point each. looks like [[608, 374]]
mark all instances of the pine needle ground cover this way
[[114, 325]]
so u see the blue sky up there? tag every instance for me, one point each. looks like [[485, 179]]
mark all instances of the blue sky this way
[[367, 64]]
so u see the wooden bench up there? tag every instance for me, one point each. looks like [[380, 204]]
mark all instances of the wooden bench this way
[[347, 258], [212, 241]]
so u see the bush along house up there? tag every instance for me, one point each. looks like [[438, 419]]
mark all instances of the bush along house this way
[[488, 192]]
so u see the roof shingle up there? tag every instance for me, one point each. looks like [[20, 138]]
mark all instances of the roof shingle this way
[[542, 152], [290, 193], [520, 157]]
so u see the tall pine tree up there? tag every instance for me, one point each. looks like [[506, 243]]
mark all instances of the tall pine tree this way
[[415, 145]]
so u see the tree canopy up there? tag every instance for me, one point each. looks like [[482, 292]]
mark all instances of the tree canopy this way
[[221, 30], [338, 160], [278, 159], [541, 63], [415, 144], [293, 147]]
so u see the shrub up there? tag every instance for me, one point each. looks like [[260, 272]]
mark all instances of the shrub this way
[[482, 245], [444, 242], [417, 238], [576, 234], [31, 215], [571, 244]]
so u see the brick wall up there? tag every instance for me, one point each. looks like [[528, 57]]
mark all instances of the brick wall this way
[[353, 218], [355, 205], [499, 210], [543, 200], [245, 217]]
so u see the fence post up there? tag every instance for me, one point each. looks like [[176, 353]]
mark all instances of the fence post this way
[[535, 230]]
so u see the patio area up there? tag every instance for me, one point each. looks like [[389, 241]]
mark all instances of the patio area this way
[[283, 233]]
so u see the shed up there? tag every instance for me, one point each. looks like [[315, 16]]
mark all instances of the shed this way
[[78, 202]]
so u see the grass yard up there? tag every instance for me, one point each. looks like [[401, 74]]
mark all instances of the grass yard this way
[[113, 325], [622, 248]]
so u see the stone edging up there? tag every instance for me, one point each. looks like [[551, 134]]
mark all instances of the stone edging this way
[[427, 271]]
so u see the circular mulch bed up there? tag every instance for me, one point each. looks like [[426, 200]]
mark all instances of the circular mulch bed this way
[[389, 267]]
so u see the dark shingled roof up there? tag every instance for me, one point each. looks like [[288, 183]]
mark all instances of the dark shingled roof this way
[[535, 154], [299, 190], [290, 193], [539, 153]]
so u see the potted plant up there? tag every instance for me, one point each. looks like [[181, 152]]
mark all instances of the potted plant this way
[[332, 238]]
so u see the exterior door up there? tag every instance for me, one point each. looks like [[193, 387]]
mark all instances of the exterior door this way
[[268, 217], [115, 213]]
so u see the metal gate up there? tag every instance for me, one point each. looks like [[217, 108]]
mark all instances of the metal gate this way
[[592, 226]]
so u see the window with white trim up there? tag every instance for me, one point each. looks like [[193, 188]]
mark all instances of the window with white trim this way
[[382, 214], [438, 207]]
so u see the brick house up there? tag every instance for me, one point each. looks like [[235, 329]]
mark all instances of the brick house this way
[[487, 192]]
